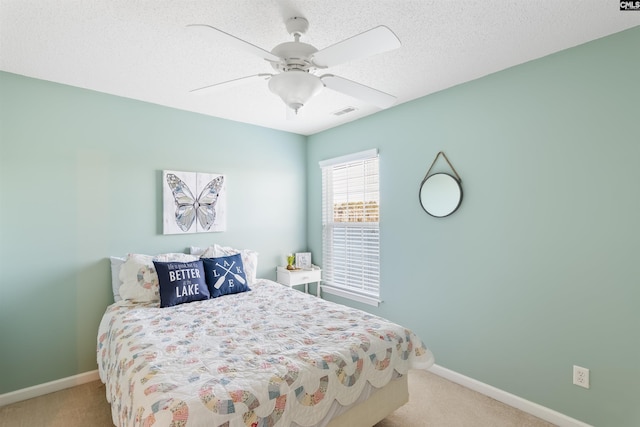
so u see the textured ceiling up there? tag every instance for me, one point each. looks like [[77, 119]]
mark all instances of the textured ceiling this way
[[143, 50]]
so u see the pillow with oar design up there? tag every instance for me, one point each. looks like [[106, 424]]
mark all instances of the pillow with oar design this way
[[225, 275]]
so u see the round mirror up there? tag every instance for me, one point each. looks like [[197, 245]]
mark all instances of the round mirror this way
[[440, 195]]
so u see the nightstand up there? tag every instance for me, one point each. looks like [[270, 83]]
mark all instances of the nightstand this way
[[293, 278]]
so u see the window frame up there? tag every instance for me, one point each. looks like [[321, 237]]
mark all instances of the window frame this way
[[362, 252]]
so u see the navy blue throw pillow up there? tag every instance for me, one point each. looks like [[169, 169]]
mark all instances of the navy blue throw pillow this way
[[181, 282], [225, 275]]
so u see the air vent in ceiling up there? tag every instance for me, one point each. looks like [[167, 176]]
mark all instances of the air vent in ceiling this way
[[344, 111]]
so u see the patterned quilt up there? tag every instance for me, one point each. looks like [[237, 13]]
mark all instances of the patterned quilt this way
[[264, 358]]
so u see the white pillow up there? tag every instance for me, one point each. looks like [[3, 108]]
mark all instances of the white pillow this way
[[139, 278], [116, 265], [249, 257], [196, 250]]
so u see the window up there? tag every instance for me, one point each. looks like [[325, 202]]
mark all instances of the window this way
[[350, 226]]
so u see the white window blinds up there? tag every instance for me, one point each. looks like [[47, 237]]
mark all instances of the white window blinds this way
[[350, 226]]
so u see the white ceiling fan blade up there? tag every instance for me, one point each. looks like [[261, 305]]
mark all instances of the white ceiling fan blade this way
[[233, 83], [359, 91], [377, 40], [219, 35]]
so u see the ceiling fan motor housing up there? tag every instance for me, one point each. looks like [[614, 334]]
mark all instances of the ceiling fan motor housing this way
[[295, 56]]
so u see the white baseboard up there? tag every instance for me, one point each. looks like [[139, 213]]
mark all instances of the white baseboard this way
[[529, 407], [46, 388]]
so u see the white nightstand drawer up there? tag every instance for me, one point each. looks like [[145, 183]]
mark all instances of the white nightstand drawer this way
[[297, 277]]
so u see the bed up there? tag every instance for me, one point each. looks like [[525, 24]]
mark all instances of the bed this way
[[269, 357]]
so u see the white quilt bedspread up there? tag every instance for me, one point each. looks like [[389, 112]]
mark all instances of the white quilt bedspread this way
[[268, 357]]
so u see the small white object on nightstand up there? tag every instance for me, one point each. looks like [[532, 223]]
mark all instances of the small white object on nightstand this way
[[292, 278]]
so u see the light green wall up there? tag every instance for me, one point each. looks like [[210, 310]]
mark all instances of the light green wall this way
[[539, 269], [80, 180]]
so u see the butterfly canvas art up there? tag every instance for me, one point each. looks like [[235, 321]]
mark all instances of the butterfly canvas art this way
[[193, 202]]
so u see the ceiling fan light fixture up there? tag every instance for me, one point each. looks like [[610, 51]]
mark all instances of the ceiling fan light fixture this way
[[295, 87]]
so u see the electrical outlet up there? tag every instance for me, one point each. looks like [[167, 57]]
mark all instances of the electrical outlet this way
[[581, 376]]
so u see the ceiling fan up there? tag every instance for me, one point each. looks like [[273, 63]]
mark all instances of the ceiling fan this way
[[295, 63]]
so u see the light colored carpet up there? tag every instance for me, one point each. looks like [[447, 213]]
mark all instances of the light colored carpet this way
[[437, 402], [433, 402]]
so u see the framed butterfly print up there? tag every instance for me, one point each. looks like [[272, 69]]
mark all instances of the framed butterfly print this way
[[193, 202]]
